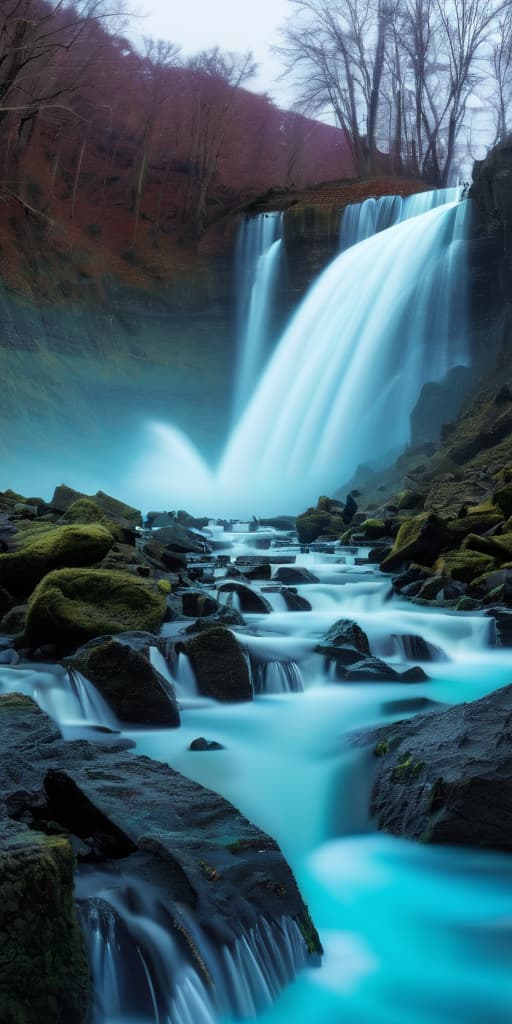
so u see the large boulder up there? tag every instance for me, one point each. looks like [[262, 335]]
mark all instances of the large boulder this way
[[71, 606], [126, 517], [44, 974], [420, 539], [84, 511], [220, 667], [130, 684], [41, 550], [178, 538], [43, 966], [464, 565], [345, 643], [446, 777], [217, 875]]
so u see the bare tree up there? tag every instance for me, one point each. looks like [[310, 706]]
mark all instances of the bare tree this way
[[502, 75], [215, 83], [398, 75]]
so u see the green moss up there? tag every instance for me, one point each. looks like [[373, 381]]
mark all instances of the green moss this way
[[382, 748], [43, 966], [123, 514], [479, 520], [503, 499], [421, 539], [374, 528], [407, 500], [209, 872], [464, 565], [407, 769], [499, 547], [51, 548], [85, 511], [71, 606], [164, 586]]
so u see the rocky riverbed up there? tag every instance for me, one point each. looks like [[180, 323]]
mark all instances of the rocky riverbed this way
[[293, 676]]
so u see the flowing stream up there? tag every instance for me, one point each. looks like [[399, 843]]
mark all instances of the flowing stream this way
[[411, 933]]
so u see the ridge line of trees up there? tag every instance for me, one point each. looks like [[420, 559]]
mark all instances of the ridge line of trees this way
[[404, 78]]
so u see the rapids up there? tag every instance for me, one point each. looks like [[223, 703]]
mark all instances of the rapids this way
[[411, 933]]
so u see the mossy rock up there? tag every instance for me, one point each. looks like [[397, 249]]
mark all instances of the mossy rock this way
[[220, 667], [499, 547], [374, 529], [408, 500], [71, 606], [421, 539], [43, 964], [127, 517], [479, 520], [48, 548], [464, 565], [85, 511], [503, 499], [130, 684], [316, 523], [14, 621]]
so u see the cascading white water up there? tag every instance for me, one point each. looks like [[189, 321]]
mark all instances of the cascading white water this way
[[138, 966], [258, 254], [277, 677], [362, 220], [384, 318]]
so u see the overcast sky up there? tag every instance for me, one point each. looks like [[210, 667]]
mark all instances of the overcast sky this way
[[238, 25]]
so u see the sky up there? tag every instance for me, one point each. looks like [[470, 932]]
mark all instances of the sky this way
[[237, 25]]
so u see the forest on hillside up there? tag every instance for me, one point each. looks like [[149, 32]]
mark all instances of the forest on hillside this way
[[86, 116]]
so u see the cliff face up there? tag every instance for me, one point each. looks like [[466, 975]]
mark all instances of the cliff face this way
[[491, 251]]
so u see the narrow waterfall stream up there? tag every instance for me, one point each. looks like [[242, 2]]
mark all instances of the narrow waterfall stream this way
[[258, 257], [392, 915]]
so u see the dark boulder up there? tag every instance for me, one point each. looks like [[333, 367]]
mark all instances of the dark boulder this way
[[197, 603], [415, 648], [377, 671], [178, 538], [126, 679], [446, 777], [215, 872], [226, 616], [420, 539], [202, 744], [295, 602], [344, 644], [250, 600], [294, 575], [219, 665]]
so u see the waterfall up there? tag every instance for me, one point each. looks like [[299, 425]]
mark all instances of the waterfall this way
[[186, 683], [384, 318], [257, 264], [139, 966], [362, 220], [277, 677], [94, 708]]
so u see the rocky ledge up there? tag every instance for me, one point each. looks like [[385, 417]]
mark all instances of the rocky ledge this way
[[446, 776], [209, 864]]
